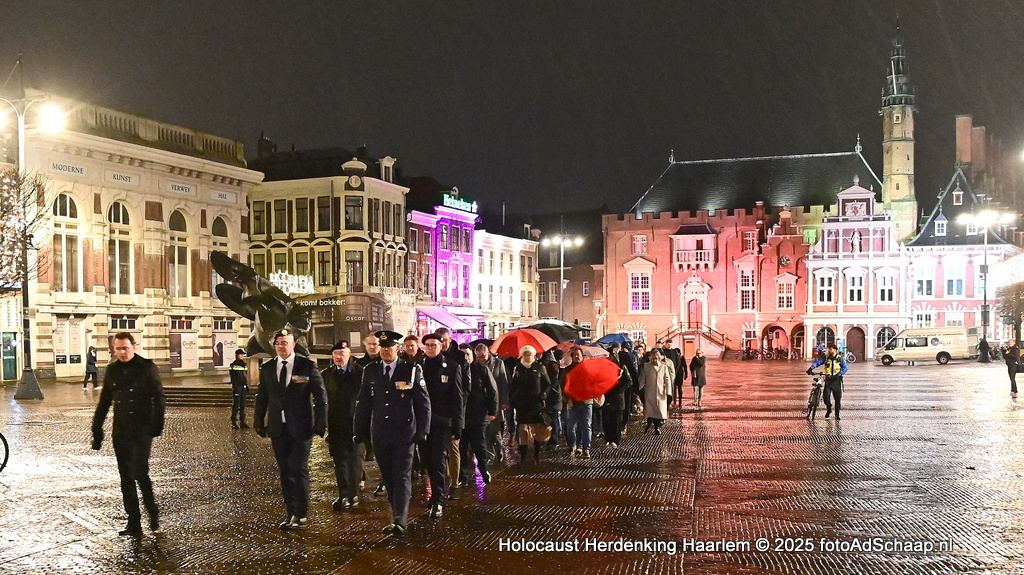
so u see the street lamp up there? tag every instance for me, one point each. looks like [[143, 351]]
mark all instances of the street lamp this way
[[50, 119], [561, 242], [985, 219]]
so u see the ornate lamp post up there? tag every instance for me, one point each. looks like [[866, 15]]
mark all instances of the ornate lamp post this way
[[983, 220]]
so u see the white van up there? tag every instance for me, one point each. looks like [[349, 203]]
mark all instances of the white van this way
[[926, 343]]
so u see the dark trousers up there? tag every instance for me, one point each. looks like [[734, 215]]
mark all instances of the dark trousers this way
[[834, 388], [348, 468], [612, 417], [473, 443], [1011, 370], [238, 406], [395, 461], [438, 444], [95, 376], [133, 466], [293, 462]]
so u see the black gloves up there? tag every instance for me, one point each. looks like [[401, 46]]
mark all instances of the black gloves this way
[[97, 439], [810, 371], [420, 438]]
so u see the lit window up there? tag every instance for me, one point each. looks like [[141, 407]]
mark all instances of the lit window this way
[[855, 289], [639, 291], [747, 297], [825, 284], [940, 228], [639, 244], [886, 289], [785, 291]]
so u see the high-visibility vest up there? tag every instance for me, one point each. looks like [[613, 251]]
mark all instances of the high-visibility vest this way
[[832, 366]]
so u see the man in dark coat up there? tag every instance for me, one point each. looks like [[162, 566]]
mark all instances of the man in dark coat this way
[[1011, 355], [393, 409], [675, 357], [239, 373], [133, 385], [291, 407], [627, 360], [341, 382], [615, 401], [372, 347], [443, 379], [494, 427], [450, 349], [481, 409]]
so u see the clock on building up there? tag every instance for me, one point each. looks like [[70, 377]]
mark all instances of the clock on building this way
[[784, 260], [354, 181]]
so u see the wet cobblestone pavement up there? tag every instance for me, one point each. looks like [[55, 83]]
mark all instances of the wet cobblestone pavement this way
[[926, 453]]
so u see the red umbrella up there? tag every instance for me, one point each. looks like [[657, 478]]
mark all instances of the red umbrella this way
[[591, 378], [509, 344]]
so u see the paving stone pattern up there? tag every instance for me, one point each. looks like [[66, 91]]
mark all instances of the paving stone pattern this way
[[922, 453]]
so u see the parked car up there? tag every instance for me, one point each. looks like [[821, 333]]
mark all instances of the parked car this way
[[941, 344]]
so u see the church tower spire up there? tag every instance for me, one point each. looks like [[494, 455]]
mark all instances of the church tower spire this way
[[898, 141]]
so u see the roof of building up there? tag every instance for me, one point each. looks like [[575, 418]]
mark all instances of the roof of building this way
[[948, 210], [798, 180], [312, 163], [693, 230]]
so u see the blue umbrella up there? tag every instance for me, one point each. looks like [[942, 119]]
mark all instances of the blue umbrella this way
[[619, 338]]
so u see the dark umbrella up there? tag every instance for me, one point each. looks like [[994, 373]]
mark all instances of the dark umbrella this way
[[619, 338], [591, 378], [556, 330], [476, 342]]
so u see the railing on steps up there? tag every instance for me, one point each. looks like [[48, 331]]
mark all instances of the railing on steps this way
[[706, 331]]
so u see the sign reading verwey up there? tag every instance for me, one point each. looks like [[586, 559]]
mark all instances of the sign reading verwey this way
[[291, 284]]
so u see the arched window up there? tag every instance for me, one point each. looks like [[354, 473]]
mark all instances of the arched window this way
[[119, 256], [825, 336], [220, 228], [177, 257], [66, 254], [64, 207], [883, 336]]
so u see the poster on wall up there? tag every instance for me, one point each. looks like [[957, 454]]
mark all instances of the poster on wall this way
[[60, 341], [224, 346], [190, 350], [175, 350]]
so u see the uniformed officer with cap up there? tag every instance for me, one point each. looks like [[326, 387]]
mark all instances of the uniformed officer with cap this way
[[342, 381], [239, 372], [394, 410], [444, 385]]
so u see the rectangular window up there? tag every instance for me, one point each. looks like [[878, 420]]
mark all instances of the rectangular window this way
[[374, 215], [466, 244], [302, 263], [923, 319], [553, 258], [958, 198], [639, 291], [825, 289], [785, 292], [886, 289], [353, 212], [940, 228], [522, 267], [223, 324], [542, 296], [428, 287], [954, 319], [119, 262], [181, 323], [465, 281], [529, 269], [178, 276], [302, 215], [456, 234], [259, 264], [281, 263], [121, 323], [65, 262], [412, 280], [280, 216], [529, 304], [954, 287], [639, 244], [490, 297], [749, 241], [480, 261], [353, 271], [586, 289], [385, 217], [323, 213], [855, 289], [444, 237], [259, 218], [972, 229], [924, 288], [397, 208], [810, 236], [414, 240], [552, 292], [442, 279], [323, 268], [747, 297], [428, 248]]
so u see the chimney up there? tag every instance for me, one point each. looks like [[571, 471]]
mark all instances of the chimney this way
[[265, 146], [503, 213], [978, 145], [964, 124]]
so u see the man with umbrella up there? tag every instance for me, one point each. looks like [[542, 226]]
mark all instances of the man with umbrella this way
[[394, 409], [580, 412]]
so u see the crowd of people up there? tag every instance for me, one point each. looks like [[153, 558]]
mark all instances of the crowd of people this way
[[425, 407]]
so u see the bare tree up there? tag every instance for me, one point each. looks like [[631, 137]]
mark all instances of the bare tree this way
[[1011, 305], [24, 213]]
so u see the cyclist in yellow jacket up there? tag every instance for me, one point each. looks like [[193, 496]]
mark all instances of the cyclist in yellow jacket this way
[[834, 370]]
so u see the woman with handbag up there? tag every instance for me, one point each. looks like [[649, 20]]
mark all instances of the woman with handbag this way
[[656, 387], [528, 390]]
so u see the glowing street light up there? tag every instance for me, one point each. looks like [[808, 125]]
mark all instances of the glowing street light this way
[[562, 242], [985, 219]]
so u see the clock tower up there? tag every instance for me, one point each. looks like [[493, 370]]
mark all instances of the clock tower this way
[[898, 143]]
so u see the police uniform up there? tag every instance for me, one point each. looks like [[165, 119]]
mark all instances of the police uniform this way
[[444, 382], [834, 370], [239, 391], [394, 410]]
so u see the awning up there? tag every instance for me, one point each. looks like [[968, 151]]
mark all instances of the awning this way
[[445, 317]]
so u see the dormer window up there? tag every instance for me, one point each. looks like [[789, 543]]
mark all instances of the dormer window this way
[[972, 229], [958, 198], [940, 228], [749, 241]]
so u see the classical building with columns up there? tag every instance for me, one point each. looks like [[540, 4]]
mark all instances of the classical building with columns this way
[[137, 207]]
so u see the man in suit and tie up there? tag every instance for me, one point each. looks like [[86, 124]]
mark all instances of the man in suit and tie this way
[[394, 410], [291, 407]]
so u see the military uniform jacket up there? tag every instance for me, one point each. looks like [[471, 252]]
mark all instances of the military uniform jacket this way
[[135, 390], [342, 393], [445, 387], [306, 385], [239, 376], [392, 411]]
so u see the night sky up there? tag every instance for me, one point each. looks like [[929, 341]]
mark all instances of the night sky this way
[[539, 103]]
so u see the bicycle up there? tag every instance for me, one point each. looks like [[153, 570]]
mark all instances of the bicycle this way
[[4, 453], [814, 398]]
